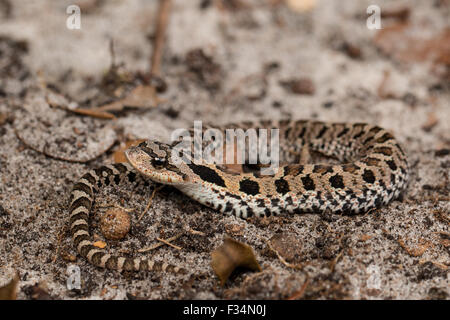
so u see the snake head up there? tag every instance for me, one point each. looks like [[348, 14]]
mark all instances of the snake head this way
[[153, 160]]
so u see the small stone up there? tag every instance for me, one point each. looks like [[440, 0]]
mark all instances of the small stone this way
[[299, 86], [287, 245], [328, 104], [115, 224], [234, 229], [277, 104], [351, 50]]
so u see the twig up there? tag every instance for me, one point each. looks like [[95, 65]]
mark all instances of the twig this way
[[297, 295], [160, 32], [59, 240], [168, 243], [415, 252], [140, 96], [335, 260], [196, 232], [112, 53], [150, 201], [287, 264], [157, 245]]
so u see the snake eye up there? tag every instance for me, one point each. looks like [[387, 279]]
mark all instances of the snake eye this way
[[158, 162]]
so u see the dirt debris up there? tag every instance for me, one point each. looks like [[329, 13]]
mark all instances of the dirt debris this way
[[211, 48]]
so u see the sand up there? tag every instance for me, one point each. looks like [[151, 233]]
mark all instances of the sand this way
[[400, 251]]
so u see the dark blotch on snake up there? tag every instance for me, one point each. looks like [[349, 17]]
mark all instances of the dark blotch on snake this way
[[392, 165], [208, 175], [385, 137], [131, 176], [322, 132], [343, 132], [337, 181], [282, 186], [383, 150], [308, 183], [83, 187], [228, 207], [81, 201], [368, 176]]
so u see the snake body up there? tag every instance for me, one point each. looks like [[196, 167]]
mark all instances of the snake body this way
[[373, 170]]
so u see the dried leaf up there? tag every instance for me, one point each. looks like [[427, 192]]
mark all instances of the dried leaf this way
[[57, 100], [431, 122], [402, 42], [119, 155], [232, 5], [93, 113], [38, 292], [99, 244], [5, 117], [9, 291], [301, 5], [139, 97], [351, 50], [401, 14], [231, 255]]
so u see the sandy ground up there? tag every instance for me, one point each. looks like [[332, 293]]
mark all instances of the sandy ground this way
[[397, 252]]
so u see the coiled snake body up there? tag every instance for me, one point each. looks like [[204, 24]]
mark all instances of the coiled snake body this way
[[373, 170]]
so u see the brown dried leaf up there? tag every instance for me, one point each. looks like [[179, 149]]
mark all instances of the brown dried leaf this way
[[38, 291], [99, 244], [231, 255], [93, 113], [139, 97], [401, 14], [301, 6], [231, 5], [119, 155], [4, 118], [351, 50], [9, 291], [402, 42], [57, 100], [431, 122]]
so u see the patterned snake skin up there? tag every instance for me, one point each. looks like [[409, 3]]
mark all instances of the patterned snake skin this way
[[373, 170]]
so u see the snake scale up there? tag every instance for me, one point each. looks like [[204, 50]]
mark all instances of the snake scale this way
[[373, 170]]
